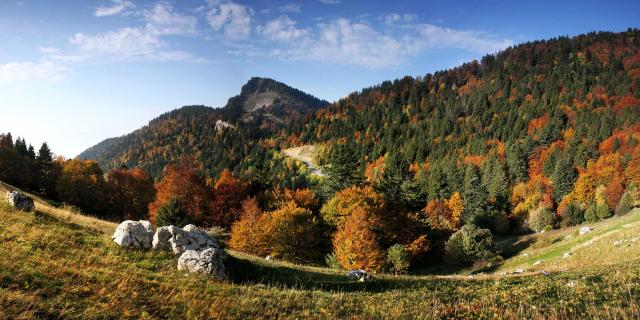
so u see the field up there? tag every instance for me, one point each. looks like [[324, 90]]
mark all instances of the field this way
[[59, 264]]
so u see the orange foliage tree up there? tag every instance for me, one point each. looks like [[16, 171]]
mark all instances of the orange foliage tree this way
[[228, 194], [439, 215], [247, 234], [304, 198], [186, 183], [130, 192], [82, 184], [456, 205], [599, 173], [344, 202], [356, 245]]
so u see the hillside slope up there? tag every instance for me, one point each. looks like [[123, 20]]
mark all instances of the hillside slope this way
[[57, 264]]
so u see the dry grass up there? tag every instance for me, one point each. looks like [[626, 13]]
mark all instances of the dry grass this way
[[58, 264]]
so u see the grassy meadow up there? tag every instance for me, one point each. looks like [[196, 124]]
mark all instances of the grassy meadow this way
[[59, 264]]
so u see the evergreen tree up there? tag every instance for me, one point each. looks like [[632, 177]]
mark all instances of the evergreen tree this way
[[171, 213], [517, 164], [564, 176], [474, 196], [343, 170], [396, 174]]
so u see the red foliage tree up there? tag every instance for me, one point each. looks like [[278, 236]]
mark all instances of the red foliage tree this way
[[186, 183], [228, 195]]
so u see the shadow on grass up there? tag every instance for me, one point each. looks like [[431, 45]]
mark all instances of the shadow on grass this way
[[245, 271]]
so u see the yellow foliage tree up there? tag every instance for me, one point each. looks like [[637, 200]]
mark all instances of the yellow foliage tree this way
[[338, 208], [457, 208], [356, 245]]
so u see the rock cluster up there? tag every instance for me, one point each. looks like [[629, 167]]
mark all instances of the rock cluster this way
[[20, 201], [198, 251], [359, 275]]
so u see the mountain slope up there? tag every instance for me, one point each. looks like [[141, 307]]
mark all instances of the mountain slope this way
[[218, 137]]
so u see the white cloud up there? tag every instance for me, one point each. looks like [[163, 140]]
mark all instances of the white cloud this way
[[291, 8], [15, 73], [282, 29], [163, 20], [117, 7], [394, 18], [432, 36], [127, 43], [231, 18], [330, 1], [350, 42]]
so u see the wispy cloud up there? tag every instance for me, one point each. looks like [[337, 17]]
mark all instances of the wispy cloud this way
[[291, 8], [17, 73], [282, 29], [117, 7], [330, 1], [233, 19], [163, 20]]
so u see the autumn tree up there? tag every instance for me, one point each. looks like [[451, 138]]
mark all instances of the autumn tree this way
[[82, 184], [228, 195], [456, 206], [439, 216], [340, 206], [186, 183], [248, 234], [129, 193], [355, 244]]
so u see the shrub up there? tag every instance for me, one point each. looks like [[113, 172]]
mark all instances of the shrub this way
[[356, 245], [468, 245], [294, 234], [540, 218], [172, 214], [398, 259], [603, 211], [625, 204], [572, 215], [332, 261], [590, 214]]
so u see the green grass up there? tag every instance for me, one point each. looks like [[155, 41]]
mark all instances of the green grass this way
[[57, 264]]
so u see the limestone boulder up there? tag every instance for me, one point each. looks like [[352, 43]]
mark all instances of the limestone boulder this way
[[209, 261], [179, 240], [134, 234], [20, 201]]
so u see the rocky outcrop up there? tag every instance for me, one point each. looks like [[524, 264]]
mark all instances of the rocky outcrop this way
[[20, 201], [134, 234], [210, 262], [179, 240]]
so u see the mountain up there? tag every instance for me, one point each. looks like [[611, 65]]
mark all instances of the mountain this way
[[217, 137]]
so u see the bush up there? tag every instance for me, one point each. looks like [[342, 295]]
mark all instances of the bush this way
[[603, 211], [625, 204], [332, 261], [171, 214], [540, 218], [468, 245], [572, 215], [590, 214], [398, 259]]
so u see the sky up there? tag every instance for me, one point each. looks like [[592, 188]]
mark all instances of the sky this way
[[75, 72]]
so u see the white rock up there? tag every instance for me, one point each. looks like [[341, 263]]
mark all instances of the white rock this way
[[134, 234], [568, 237], [210, 262], [571, 284], [537, 262], [269, 258], [585, 230], [519, 271], [180, 240], [566, 255], [20, 201]]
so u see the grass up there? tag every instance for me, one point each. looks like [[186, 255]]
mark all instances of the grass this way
[[57, 264]]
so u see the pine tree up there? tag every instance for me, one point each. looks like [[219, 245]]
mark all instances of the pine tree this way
[[171, 213], [343, 170], [396, 174], [475, 196], [563, 177]]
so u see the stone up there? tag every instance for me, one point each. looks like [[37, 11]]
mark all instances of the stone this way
[[585, 230], [518, 271], [537, 262], [179, 240], [20, 201], [134, 234], [210, 261], [269, 258], [566, 255], [359, 275]]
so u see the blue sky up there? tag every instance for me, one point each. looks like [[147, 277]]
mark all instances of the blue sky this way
[[74, 72]]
